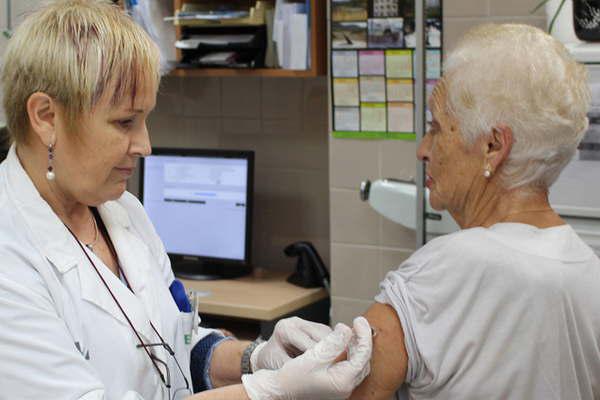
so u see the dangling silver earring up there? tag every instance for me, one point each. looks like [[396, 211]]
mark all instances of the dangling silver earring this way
[[50, 173]]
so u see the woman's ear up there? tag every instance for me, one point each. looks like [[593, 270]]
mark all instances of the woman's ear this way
[[499, 145], [42, 112]]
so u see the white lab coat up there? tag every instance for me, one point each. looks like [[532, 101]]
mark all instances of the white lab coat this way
[[62, 335]]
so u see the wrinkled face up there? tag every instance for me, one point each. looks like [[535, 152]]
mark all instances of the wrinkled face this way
[[93, 165], [454, 169]]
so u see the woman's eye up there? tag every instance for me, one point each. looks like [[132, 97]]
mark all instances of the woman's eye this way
[[126, 123]]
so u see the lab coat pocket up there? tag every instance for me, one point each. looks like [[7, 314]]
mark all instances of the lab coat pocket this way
[[188, 323]]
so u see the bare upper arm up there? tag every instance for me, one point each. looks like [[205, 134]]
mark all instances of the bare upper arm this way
[[389, 361]]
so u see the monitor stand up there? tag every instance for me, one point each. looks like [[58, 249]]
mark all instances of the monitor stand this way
[[200, 270]]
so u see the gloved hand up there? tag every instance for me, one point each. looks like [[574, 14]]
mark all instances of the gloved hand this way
[[291, 337], [313, 374]]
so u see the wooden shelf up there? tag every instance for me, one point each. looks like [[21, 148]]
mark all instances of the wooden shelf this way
[[318, 49], [225, 72]]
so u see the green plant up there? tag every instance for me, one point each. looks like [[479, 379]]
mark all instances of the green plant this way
[[555, 16]]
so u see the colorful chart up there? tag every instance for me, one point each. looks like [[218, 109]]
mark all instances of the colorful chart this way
[[372, 66]]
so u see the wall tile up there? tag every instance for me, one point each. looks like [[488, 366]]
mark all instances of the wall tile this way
[[201, 97], [390, 259], [246, 126], [285, 127], [398, 159], [168, 99], [241, 97], [345, 310], [282, 98], [455, 28], [201, 132], [290, 205], [396, 235], [356, 271], [352, 220], [315, 121], [353, 161], [467, 8], [164, 130], [295, 152], [509, 8]]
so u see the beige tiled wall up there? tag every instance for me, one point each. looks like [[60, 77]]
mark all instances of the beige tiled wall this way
[[364, 246], [285, 122]]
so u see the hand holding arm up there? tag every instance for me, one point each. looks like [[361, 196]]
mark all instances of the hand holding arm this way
[[314, 375], [291, 337]]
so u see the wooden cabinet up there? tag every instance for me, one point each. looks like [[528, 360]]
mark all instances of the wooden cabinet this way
[[318, 49]]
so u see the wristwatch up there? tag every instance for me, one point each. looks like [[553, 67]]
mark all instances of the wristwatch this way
[[246, 366]]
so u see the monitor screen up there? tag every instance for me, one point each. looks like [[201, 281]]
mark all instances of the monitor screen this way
[[200, 201]]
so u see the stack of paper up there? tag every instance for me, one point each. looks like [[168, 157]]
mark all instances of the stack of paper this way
[[291, 34]]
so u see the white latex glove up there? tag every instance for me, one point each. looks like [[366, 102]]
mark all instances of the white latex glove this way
[[313, 375], [291, 337]]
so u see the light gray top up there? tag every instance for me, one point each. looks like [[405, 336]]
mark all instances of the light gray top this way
[[507, 312]]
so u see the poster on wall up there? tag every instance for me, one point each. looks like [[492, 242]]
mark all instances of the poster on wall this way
[[372, 66]]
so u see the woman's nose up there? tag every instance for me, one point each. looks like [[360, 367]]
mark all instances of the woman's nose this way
[[423, 149], [141, 146]]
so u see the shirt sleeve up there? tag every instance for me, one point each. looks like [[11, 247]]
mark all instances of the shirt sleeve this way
[[432, 293], [39, 358]]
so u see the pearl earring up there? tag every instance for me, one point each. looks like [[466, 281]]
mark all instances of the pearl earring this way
[[487, 173], [50, 173]]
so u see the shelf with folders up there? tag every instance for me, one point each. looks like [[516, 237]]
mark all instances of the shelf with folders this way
[[209, 32]]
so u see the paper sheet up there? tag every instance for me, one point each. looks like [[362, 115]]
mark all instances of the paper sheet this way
[[434, 64], [372, 62], [347, 119], [372, 116], [345, 92], [399, 90], [344, 64], [348, 35], [372, 88], [399, 63], [400, 117]]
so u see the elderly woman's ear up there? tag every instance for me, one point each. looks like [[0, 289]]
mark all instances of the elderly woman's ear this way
[[498, 145], [42, 111]]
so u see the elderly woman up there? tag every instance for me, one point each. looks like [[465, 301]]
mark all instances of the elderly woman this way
[[85, 284], [509, 306]]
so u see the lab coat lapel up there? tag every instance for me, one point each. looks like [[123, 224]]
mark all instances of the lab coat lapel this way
[[135, 261]]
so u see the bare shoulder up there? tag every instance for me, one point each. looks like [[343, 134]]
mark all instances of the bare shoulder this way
[[389, 361]]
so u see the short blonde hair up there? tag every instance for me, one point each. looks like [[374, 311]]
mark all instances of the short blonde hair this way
[[76, 51], [521, 77]]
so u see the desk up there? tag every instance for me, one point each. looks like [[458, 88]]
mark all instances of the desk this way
[[266, 299]]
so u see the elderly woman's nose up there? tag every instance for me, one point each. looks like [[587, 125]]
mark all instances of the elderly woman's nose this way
[[423, 149]]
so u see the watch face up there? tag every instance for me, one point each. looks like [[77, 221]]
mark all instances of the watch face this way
[[586, 19]]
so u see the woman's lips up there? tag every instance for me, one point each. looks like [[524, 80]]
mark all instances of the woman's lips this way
[[127, 172], [428, 181]]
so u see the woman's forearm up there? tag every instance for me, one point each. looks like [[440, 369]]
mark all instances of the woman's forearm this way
[[236, 392], [225, 365]]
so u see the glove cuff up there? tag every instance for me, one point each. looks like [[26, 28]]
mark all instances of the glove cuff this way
[[262, 385], [254, 355]]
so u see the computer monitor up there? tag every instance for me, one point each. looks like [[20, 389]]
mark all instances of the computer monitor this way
[[200, 202]]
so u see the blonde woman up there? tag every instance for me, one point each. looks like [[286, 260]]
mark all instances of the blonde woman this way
[[86, 310]]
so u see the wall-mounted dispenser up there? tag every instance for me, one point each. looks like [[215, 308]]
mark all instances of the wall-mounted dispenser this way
[[395, 199]]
